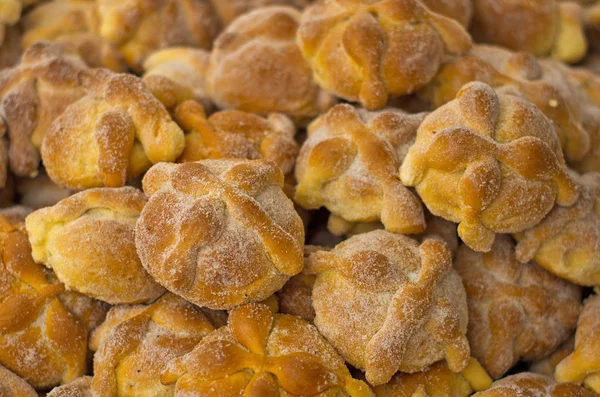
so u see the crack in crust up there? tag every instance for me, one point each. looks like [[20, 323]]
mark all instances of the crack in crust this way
[[366, 50], [349, 164], [389, 304], [481, 158], [264, 354], [529, 384], [219, 233], [517, 311]]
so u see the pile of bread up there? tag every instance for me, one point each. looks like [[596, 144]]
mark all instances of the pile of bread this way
[[260, 198]]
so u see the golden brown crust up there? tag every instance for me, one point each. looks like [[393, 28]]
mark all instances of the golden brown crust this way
[[459, 10], [32, 95], [541, 27], [530, 385], [88, 240], [349, 164], [583, 364], [12, 385], [364, 50], [490, 162], [80, 387], [517, 311], [437, 381], [547, 365], [10, 49], [140, 27], [260, 353], [229, 10], [567, 241], [41, 339], [237, 134], [219, 233], [256, 66], [112, 134], [389, 304], [176, 74], [137, 342]]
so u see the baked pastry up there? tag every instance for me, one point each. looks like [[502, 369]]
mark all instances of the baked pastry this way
[[237, 134], [42, 339], [501, 140], [40, 192], [541, 27], [547, 365], [459, 10], [583, 365], [80, 387], [229, 10], [12, 385], [389, 304], [177, 74], [112, 134], [437, 380], [529, 384], [71, 22], [517, 311], [10, 14], [10, 49], [32, 95], [136, 342], [260, 353], [256, 66], [88, 240], [140, 27], [219, 233], [364, 50], [543, 83], [349, 165], [567, 241]]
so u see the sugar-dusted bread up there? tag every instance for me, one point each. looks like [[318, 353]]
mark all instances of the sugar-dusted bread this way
[[32, 95], [542, 27], [517, 311], [389, 304], [365, 50], [349, 164], [135, 343], [139, 27], [44, 329], [112, 134], [567, 241], [530, 384], [260, 353], [490, 162], [256, 66], [437, 381], [12, 385], [219, 233], [547, 365], [237, 134], [88, 240], [459, 10], [229, 10], [583, 364], [176, 74], [80, 387]]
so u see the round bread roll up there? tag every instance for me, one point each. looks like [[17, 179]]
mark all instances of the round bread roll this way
[[12, 385], [529, 384]]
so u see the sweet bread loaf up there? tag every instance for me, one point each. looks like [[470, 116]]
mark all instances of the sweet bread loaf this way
[[32, 95], [135, 343], [365, 50], [459, 10], [437, 380], [256, 66], [12, 385], [139, 27], [567, 241], [177, 74], [219, 233], [41, 338], [236, 134], [229, 10], [349, 164], [583, 364], [112, 134], [529, 384], [80, 387], [88, 240], [517, 311], [542, 27], [260, 353], [490, 162], [389, 304], [547, 365]]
